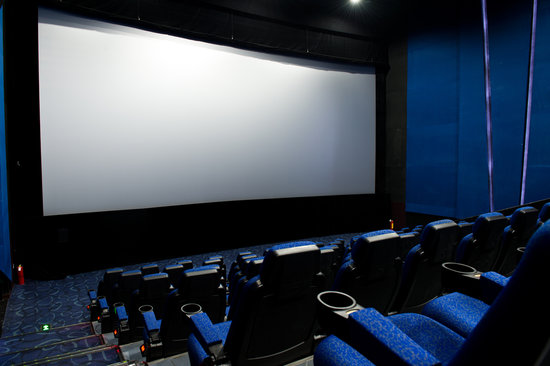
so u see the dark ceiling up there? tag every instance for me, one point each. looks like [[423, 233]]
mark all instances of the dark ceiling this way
[[371, 18]]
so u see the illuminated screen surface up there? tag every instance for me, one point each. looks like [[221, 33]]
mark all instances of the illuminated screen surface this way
[[134, 119]]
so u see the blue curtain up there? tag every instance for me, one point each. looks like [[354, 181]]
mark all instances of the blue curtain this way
[[446, 139], [5, 252]]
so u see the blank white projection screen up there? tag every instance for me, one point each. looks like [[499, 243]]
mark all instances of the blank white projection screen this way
[[134, 119]]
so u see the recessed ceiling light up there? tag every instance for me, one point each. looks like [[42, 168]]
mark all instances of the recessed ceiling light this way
[[355, 1]]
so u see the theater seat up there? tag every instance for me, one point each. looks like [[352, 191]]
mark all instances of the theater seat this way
[[513, 331], [201, 286], [107, 284], [152, 293], [372, 274], [481, 248], [522, 225], [421, 273], [275, 318]]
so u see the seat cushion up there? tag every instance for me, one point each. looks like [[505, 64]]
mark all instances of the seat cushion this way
[[440, 341], [459, 312], [332, 351]]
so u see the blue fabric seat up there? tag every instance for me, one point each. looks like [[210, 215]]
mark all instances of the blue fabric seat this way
[[371, 275], [513, 330], [522, 225], [421, 273], [480, 249], [461, 312], [333, 351], [275, 313]]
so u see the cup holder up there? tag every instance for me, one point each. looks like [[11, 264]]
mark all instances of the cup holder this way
[[460, 277], [519, 253], [334, 308], [145, 308], [191, 309]]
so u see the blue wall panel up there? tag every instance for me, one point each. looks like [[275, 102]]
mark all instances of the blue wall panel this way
[[432, 102], [446, 89], [538, 167], [5, 251]]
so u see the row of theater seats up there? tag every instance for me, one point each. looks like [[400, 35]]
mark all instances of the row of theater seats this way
[[263, 310], [400, 272], [505, 323], [155, 306]]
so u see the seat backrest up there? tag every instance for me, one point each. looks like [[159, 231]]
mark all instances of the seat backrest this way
[[372, 275], [128, 282], [421, 273], [514, 331], [106, 285], [174, 271], [148, 269], [201, 285], [276, 311], [408, 241], [523, 224], [481, 248], [153, 291], [544, 214]]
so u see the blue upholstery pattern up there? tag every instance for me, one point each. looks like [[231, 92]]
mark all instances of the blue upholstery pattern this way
[[491, 284], [383, 342], [205, 331], [439, 341], [332, 351], [458, 312]]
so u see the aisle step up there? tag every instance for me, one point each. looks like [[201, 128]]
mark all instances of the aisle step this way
[[50, 350], [26, 341], [99, 355]]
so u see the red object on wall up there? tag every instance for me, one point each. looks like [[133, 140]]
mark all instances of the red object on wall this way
[[20, 275]]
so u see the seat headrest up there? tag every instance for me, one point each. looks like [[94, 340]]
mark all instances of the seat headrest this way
[[187, 264], [155, 284], [485, 222], [130, 279], [203, 278], [438, 239], [375, 248], [253, 266], [544, 213], [150, 269], [524, 218], [290, 265], [112, 275]]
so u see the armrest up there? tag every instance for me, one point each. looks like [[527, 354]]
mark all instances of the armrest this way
[[207, 335], [94, 305], [151, 348], [151, 322], [491, 285], [104, 316], [122, 328], [382, 342]]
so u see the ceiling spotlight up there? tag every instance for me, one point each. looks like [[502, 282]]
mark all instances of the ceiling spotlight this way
[[355, 1]]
